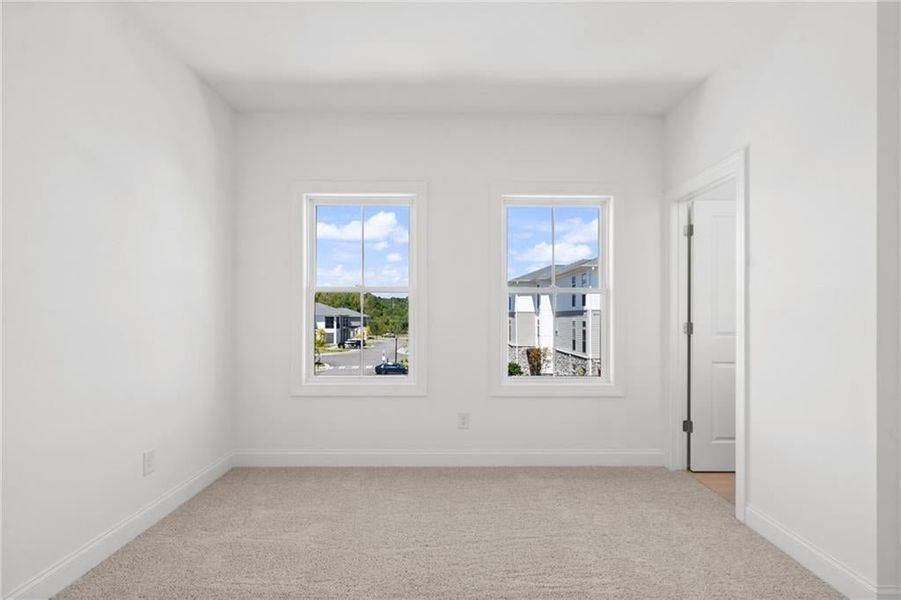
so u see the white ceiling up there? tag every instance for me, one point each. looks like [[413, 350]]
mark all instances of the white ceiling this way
[[586, 57]]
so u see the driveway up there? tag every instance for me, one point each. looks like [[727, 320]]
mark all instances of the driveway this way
[[348, 363]]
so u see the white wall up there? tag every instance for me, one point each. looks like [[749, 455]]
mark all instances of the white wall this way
[[889, 298], [118, 272], [458, 157], [806, 107]]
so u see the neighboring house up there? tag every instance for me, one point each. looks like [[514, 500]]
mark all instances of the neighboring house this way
[[572, 328], [339, 324]]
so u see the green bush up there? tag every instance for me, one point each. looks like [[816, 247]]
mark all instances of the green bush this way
[[514, 369]]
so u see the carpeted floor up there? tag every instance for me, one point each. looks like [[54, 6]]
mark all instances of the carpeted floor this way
[[451, 533]]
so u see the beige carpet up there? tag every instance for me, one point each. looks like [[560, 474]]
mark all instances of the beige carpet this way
[[451, 533]]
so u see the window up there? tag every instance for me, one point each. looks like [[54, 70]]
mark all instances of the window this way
[[361, 291], [552, 243]]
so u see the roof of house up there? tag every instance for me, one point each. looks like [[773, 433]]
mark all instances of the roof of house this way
[[324, 310], [544, 273]]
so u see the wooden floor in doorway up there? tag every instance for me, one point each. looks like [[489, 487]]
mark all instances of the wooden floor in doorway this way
[[721, 483]]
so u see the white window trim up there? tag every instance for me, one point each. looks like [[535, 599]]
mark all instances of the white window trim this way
[[303, 229], [566, 194]]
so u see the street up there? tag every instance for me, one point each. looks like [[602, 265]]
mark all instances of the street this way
[[348, 362]]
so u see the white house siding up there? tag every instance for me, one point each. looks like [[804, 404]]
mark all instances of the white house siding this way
[[578, 362]]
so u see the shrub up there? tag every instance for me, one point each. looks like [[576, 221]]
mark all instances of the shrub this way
[[319, 341], [514, 369], [547, 358]]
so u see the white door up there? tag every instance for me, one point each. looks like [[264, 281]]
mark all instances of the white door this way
[[713, 285]]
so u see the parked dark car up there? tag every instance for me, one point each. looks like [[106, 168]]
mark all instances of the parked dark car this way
[[391, 369], [353, 344]]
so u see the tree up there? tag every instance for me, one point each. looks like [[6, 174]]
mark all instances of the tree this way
[[349, 300]]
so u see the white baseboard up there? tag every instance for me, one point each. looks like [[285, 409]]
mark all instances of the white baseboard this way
[[448, 458], [57, 576], [825, 566]]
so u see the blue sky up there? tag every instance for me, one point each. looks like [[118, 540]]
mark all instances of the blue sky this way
[[529, 237], [339, 246]]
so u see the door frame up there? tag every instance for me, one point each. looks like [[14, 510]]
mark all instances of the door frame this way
[[734, 167]]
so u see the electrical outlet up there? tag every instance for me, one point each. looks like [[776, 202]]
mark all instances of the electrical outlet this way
[[149, 462], [462, 420]]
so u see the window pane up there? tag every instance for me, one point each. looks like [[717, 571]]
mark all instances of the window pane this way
[[387, 245], [337, 333], [577, 344], [576, 246], [387, 351], [530, 334], [339, 251], [529, 246]]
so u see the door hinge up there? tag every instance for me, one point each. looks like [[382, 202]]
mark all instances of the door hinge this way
[[689, 230], [687, 426], [688, 328]]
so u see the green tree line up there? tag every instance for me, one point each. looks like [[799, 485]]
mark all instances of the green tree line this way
[[384, 314]]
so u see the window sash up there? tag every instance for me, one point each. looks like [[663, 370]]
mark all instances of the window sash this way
[[380, 289], [563, 291], [609, 384], [550, 201], [308, 196], [362, 201], [337, 325], [604, 340]]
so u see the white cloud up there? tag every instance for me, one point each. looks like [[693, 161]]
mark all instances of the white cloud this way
[[349, 232], [387, 275], [337, 276], [380, 245], [539, 252], [577, 231], [381, 227], [393, 257], [384, 226], [564, 252]]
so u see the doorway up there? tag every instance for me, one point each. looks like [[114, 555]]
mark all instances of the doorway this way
[[708, 370], [710, 331]]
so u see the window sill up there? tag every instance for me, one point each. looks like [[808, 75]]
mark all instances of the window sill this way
[[556, 389]]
